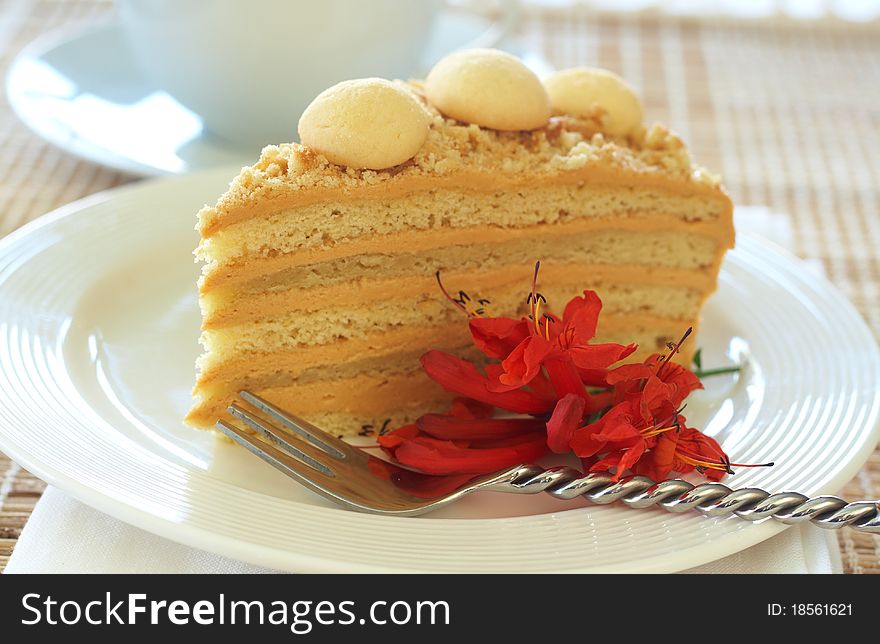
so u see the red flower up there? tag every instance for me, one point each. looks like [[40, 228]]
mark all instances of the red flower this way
[[423, 486], [442, 457], [660, 461], [567, 416], [683, 452], [465, 441], [622, 433], [665, 378], [461, 377], [497, 337], [562, 347], [620, 460], [445, 426], [543, 366], [650, 396], [521, 366]]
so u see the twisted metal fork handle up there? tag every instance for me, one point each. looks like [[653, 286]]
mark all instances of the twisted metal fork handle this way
[[676, 495]]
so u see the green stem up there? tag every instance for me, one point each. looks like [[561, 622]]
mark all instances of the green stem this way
[[716, 372]]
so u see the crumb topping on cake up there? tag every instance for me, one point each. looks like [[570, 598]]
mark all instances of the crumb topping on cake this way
[[566, 143]]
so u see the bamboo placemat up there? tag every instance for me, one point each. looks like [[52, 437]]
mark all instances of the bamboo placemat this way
[[788, 112]]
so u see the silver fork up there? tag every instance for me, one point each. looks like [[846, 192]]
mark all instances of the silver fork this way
[[342, 473]]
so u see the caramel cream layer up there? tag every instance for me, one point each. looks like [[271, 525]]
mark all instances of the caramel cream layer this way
[[245, 267], [367, 395], [220, 310], [340, 423], [264, 200]]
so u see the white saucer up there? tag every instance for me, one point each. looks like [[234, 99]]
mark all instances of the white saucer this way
[[96, 369], [81, 90]]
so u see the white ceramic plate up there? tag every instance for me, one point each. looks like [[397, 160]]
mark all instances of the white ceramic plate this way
[[98, 328], [81, 89]]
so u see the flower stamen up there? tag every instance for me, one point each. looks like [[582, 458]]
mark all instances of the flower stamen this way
[[536, 310], [723, 464], [673, 422], [458, 304], [655, 431], [463, 301], [548, 320], [534, 296], [673, 349]]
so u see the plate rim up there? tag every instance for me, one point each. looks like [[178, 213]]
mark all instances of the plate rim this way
[[37, 49], [206, 539]]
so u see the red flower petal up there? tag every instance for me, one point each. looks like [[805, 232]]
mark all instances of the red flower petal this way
[[448, 427], [619, 431], [468, 408], [628, 373], [497, 337], [607, 462], [542, 387], [680, 380], [461, 377], [600, 356], [621, 460], [523, 363], [433, 456], [564, 376], [615, 425], [677, 381], [593, 361], [420, 485], [567, 417], [493, 372], [580, 318], [696, 442], [655, 401], [697, 445], [657, 464], [393, 439], [630, 458], [585, 444]]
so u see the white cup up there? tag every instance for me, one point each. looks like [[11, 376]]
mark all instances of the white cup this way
[[249, 68]]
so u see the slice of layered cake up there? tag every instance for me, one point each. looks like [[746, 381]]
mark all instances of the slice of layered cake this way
[[319, 289]]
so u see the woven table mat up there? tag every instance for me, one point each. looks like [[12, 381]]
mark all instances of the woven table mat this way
[[788, 112]]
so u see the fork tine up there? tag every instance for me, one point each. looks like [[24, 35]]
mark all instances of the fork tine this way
[[317, 437], [303, 471], [301, 450]]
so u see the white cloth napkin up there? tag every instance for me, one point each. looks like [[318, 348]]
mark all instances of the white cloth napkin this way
[[65, 536]]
